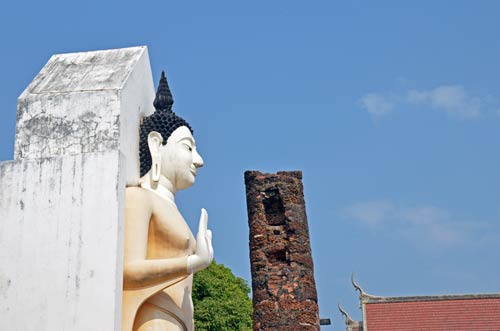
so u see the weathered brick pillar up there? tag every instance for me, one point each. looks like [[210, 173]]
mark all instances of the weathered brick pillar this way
[[284, 291]]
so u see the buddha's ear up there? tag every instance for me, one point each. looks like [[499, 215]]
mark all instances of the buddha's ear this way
[[154, 143]]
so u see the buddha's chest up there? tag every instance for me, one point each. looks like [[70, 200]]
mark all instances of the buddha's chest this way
[[169, 235]]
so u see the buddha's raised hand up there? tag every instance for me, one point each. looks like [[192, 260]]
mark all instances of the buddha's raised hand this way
[[204, 253]]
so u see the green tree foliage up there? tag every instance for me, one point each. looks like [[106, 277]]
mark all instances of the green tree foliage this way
[[221, 301]]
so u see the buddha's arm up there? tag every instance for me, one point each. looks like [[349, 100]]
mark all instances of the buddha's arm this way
[[150, 272], [138, 271]]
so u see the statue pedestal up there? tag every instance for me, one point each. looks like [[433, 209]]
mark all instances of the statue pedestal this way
[[62, 197]]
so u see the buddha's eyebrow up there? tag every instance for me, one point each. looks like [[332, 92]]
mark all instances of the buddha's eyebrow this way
[[187, 138]]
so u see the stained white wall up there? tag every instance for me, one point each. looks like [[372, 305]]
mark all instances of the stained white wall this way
[[62, 197], [86, 102], [61, 246]]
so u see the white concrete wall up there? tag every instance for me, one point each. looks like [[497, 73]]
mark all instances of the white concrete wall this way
[[61, 245], [136, 101], [62, 198], [87, 102]]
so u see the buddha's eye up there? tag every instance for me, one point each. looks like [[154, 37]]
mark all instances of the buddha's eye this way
[[188, 147]]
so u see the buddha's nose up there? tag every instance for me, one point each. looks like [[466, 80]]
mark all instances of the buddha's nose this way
[[197, 160]]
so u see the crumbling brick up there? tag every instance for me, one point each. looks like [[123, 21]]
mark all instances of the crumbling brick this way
[[284, 291]]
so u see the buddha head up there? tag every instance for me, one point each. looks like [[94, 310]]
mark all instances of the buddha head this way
[[167, 147]]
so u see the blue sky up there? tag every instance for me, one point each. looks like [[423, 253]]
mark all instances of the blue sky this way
[[391, 109]]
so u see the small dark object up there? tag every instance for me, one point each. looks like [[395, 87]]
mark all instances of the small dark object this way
[[325, 321]]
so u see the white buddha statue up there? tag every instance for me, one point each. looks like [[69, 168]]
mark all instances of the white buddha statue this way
[[161, 253]]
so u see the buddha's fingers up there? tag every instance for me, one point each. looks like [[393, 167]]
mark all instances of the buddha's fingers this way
[[202, 226], [210, 248]]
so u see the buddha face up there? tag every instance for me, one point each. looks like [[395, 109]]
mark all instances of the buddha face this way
[[179, 157]]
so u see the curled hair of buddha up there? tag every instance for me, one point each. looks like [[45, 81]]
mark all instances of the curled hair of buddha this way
[[163, 121]]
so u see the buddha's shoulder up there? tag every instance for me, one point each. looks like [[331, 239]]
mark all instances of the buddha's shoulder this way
[[137, 193]]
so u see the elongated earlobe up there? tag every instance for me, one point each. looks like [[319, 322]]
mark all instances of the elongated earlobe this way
[[154, 142], [155, 169]]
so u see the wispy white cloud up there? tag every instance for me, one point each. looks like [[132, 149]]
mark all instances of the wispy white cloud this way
[[424, 226], [453, 99], [372, 214], [377, 104], [432, 225]]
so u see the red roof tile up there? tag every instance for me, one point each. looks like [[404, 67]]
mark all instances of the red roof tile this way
[[445, 313]]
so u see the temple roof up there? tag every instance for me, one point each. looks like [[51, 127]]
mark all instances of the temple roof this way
[[458, 312]]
